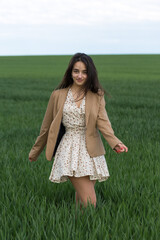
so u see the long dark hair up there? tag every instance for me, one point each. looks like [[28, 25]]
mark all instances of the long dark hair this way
[[92, 82]]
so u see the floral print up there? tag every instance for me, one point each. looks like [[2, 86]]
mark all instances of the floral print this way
[[72, 158]]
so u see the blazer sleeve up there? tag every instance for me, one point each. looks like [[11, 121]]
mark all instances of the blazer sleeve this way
[[104, 125], [42, 138]]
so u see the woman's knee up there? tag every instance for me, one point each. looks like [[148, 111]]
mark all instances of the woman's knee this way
[[85, 190], [90, 200]]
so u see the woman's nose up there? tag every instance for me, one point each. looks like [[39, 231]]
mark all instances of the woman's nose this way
[[80, 75]]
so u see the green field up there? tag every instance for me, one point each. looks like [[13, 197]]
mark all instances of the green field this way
[[128, 204]]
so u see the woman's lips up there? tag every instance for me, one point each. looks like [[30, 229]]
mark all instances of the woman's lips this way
[[79, 80]]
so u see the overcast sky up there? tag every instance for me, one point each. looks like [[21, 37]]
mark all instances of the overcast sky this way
[[49, 27]]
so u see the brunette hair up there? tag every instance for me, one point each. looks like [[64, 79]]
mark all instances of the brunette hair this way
[[92, 82]]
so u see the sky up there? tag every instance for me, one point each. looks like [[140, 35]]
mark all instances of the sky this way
[[64, 27]]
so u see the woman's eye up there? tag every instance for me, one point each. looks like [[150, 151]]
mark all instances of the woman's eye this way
[[77, 71]]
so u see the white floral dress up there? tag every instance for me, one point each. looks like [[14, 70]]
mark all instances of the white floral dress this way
[[72, 158]]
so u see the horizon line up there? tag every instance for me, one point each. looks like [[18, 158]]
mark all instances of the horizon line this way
[[93, 54]]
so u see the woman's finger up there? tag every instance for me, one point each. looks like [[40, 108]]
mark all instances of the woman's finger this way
[[121, 148]]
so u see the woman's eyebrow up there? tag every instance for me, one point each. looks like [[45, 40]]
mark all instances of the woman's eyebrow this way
[[76, 69]]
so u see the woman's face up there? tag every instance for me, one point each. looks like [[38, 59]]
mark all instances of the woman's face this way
[[79, 74]]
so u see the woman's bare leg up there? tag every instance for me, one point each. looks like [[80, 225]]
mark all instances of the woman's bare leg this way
[[85, 191], [77, 198]]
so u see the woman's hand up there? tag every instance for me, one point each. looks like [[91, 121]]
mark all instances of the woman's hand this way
[[32, 160], [120, 148]]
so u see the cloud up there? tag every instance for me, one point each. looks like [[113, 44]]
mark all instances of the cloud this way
[[72, 12]]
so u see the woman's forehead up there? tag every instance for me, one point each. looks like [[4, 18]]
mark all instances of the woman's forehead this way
[[79, 65]]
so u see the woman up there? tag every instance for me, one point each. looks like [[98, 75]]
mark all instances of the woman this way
[[76, 110]]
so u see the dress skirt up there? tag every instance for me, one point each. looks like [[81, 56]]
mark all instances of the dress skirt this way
[[72, 158]]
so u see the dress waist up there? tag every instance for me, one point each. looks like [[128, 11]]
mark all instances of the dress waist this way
[[75, 129]]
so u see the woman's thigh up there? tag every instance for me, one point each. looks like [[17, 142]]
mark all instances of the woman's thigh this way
[[85, 189]]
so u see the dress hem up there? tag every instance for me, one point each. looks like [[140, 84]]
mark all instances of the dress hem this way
[[65, 178]]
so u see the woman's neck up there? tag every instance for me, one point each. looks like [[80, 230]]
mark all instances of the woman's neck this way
[[76, 90]]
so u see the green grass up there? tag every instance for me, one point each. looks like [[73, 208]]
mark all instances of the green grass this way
[[128, 204]]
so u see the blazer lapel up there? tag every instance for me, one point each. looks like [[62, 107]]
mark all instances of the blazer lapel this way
[[63, 95], [88, 105]]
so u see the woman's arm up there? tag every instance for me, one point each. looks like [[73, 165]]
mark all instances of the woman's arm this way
[[104, 125], [42, 138]]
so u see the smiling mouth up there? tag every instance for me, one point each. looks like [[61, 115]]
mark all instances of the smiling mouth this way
[[79, 80]]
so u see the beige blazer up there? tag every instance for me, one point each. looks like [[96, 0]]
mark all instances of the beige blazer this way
[[96, 119]]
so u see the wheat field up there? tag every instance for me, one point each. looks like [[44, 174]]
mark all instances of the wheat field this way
[[128, 203]]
